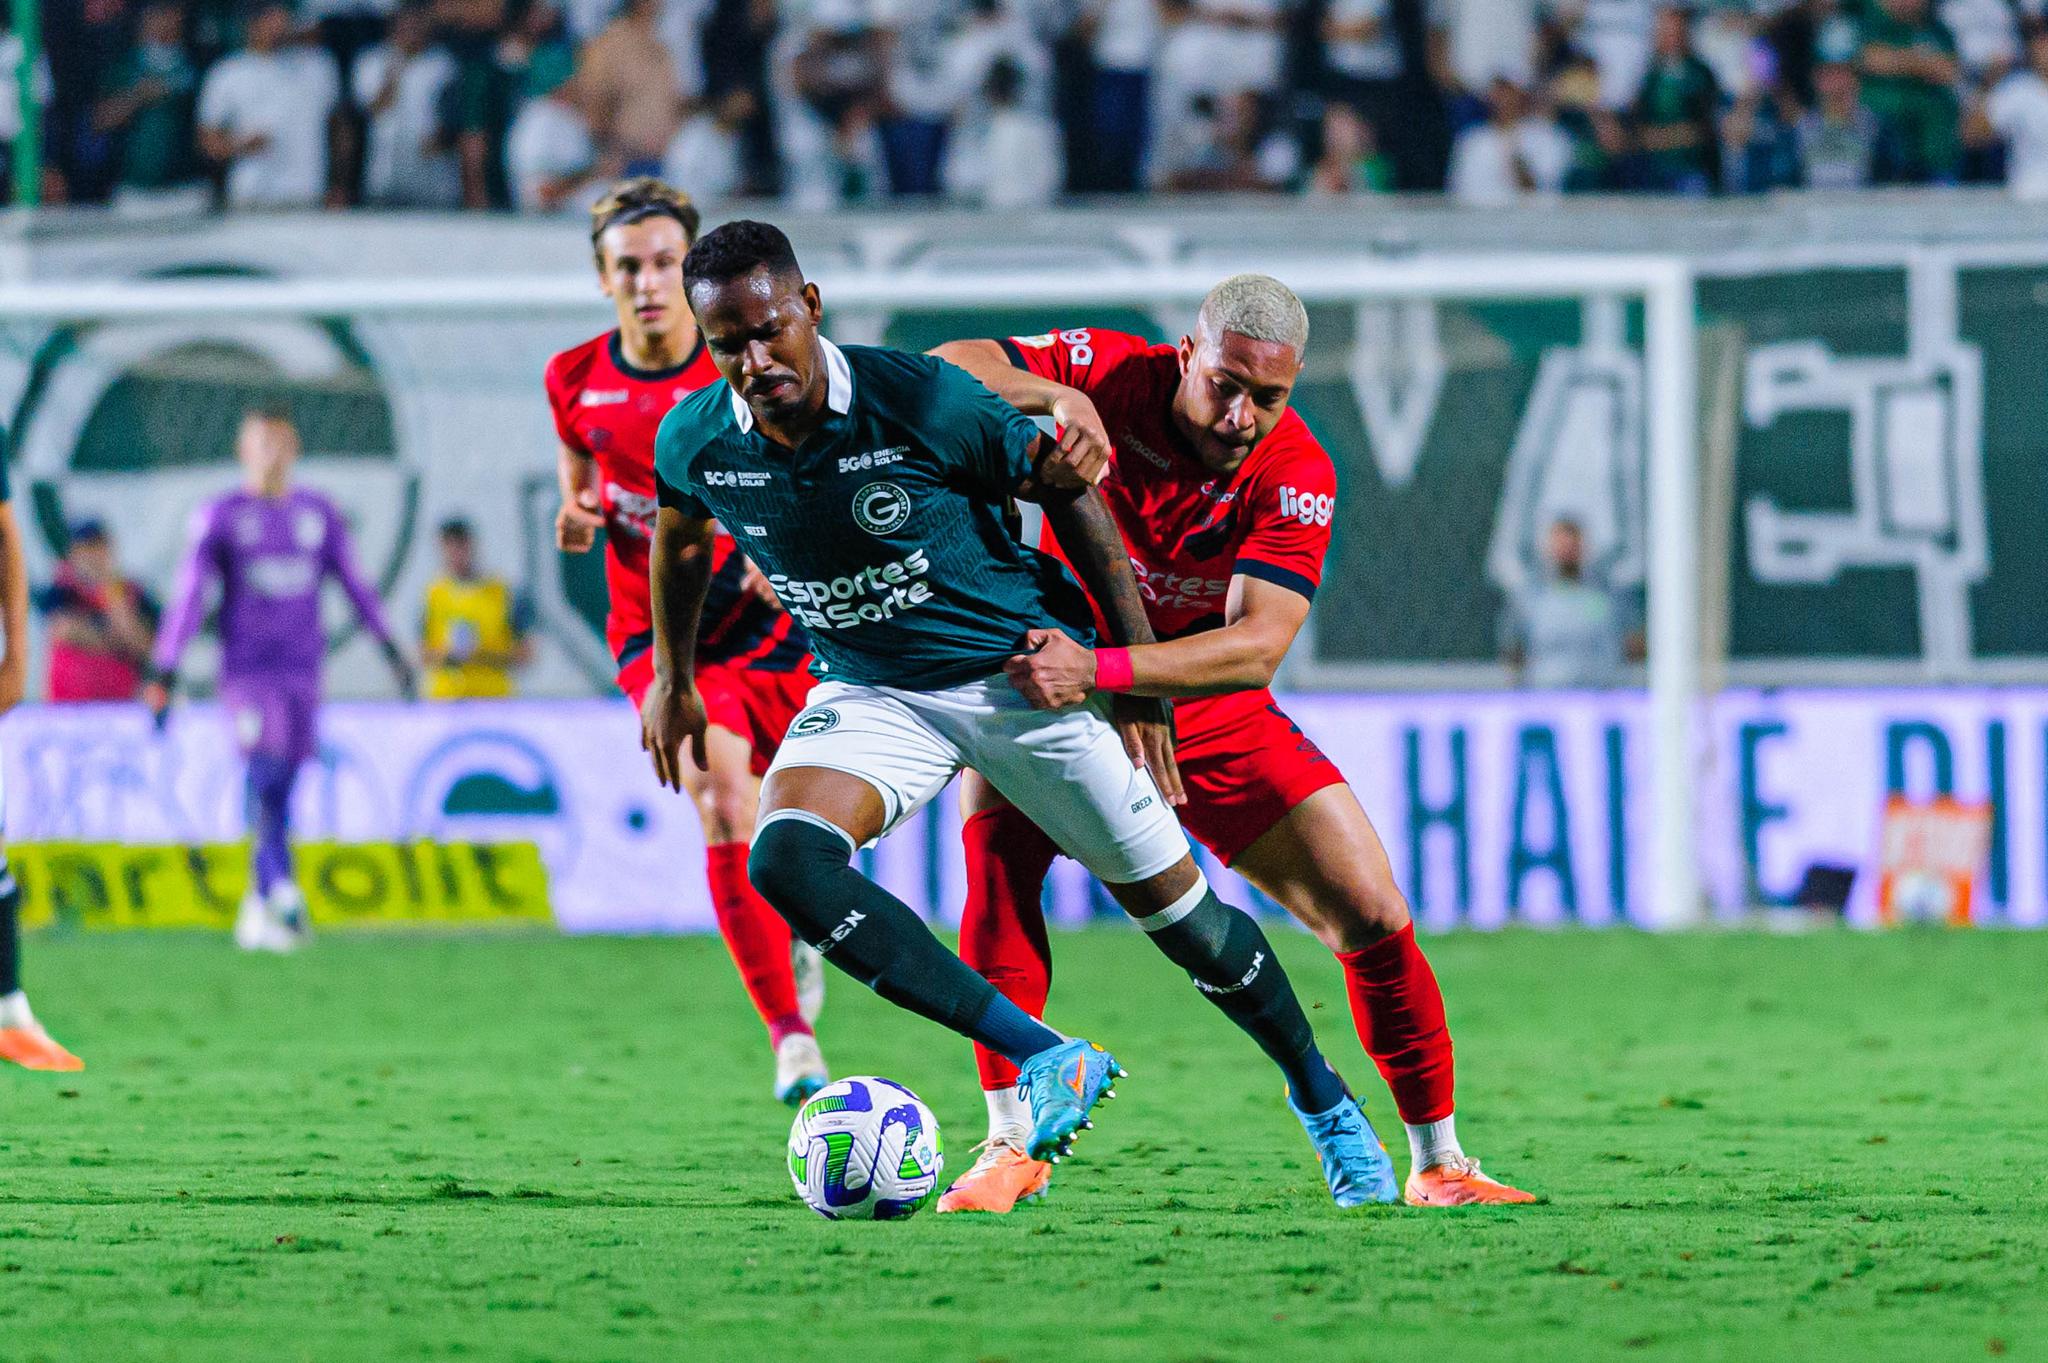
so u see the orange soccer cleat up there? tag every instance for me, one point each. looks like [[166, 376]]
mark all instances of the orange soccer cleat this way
[[31, 1048], [999, 1180], [1458, 1182]]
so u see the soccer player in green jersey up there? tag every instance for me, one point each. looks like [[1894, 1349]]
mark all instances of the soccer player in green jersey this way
[[872, 486]]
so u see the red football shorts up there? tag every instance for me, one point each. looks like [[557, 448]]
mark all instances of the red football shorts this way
[[756, 705], [1245, 765]]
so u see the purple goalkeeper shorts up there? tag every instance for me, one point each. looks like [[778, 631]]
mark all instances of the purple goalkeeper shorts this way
[[277, 716]]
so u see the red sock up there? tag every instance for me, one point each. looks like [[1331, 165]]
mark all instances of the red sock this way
[[1399, 1013], [757, 938], [1002, 929]]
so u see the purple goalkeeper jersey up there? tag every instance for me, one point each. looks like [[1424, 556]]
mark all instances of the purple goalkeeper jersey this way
[[271, 556]]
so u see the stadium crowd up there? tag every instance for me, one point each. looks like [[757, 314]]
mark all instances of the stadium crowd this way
[[534, 104]]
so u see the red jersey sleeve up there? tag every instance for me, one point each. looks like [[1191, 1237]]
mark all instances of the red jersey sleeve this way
[[1080, 357], [562, 392], [1291, 505]]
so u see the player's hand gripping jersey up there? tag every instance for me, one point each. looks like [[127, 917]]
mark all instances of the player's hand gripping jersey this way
[[608, 410], [1189, 530]]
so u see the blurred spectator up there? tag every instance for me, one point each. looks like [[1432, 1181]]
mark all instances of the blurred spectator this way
[[474, 629], [2017, 111], [1616, 34], [1351, 160], [1987, 34], [1123, 37], [549, 156], [1010, 156], [1227, 145], [101, 625], [1908, 62], [708, 156], [738, 35], [266, 114], [1244, 42], [1517, 152], [1677, 112], [1472, 43], [401, 86], [1838, 136], [1599, 142], [837, 78], [1571, 628], [148, 108], [627, 79]]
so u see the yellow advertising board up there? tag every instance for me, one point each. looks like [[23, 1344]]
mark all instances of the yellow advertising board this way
[[107, 886]]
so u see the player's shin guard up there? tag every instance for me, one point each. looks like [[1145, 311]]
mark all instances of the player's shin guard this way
[[757, 938], [1002, 928], [10, 929], [802, 865], [1399, 1012], [1227, 955], [270, 780]]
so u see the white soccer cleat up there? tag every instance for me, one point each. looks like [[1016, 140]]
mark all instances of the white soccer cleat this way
[[257, 928], [799, 1069], [809, 968], [288, 912]]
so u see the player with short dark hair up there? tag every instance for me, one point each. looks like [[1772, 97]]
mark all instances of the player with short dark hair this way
[[873, 487], [22, 1038], [270, 548], [1225, 500], [608, 396]]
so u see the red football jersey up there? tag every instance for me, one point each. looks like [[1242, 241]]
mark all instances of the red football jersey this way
[[1188, 530], [608, 410]]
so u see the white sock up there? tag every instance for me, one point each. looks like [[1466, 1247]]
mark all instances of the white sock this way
[[1433, 1142], [1009, 1115], [14, 1010]]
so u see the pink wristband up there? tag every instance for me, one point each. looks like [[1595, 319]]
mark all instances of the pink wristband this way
[[1112, 669]]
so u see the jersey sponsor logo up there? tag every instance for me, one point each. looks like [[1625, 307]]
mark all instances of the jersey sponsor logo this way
[[1178, 591], [601, 397], [880, 508], [1150, 455], [1309, 508], [633, 512], [754, 529], [730, 478], [812, 722], [873, 459], [872, 595], [281, 576]]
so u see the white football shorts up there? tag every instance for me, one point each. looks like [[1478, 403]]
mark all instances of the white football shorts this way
[[1065, 769]]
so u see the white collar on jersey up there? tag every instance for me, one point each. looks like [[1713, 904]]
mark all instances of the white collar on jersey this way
[[838, 387]]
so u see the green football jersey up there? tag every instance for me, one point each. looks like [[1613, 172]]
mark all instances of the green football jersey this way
[[885, 534]]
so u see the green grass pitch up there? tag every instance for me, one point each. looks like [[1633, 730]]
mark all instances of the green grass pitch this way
[[1812, 1148]]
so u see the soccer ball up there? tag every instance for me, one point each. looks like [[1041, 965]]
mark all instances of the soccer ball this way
[[865, 1149]]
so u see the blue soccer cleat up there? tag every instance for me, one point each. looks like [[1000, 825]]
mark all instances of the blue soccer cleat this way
[[1355, 1164], [1064, 1082]]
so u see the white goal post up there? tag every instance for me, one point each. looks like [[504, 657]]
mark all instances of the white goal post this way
[[1663, 283]]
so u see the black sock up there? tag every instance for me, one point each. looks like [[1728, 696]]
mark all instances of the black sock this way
[[10, 929], [805, 872], [1227, 955]]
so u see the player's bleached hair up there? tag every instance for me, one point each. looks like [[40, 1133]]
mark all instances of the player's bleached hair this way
[[1257, 306]]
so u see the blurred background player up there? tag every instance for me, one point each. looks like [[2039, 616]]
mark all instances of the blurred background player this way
[[609, 396], [473, 627], [99, 625], [22, 1038], [1225, 499], [1569, 627], [271, 547]]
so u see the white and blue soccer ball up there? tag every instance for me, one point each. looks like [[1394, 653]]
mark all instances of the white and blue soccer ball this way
[[865, 1149]]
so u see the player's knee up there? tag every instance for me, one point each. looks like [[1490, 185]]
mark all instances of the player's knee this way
[[727, 812], [1354, 920], [791, 866]]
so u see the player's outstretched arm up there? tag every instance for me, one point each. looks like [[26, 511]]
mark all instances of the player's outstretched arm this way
[[13, 611], [1081, 457], [181, 622], [340, 563], [679, 573], [1084, 525]]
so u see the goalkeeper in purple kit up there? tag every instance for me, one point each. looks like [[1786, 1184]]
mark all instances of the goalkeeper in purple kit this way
[[271, 547]]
